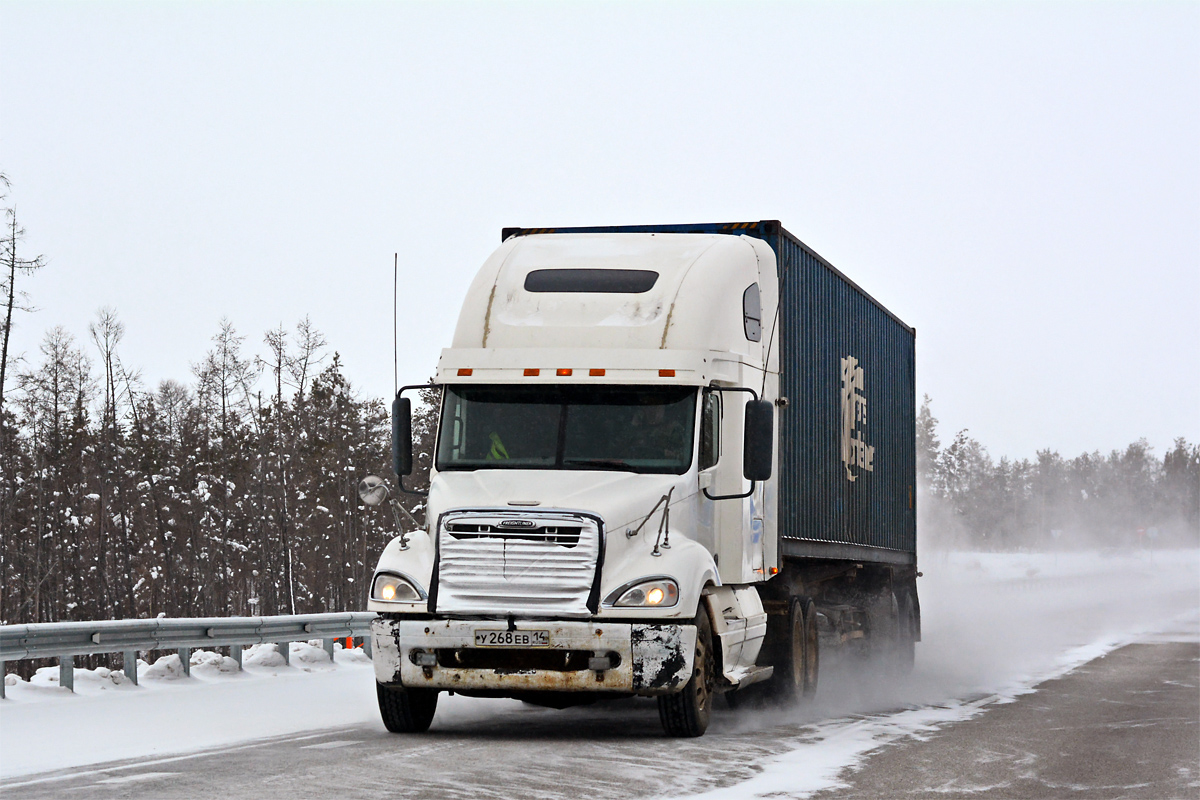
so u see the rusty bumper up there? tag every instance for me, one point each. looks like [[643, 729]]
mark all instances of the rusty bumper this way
[[640, 658]]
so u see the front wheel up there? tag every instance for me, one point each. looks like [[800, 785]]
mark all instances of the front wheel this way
[[406, 710], [686, 713]]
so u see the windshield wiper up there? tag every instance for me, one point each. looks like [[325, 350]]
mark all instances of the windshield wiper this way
[[600, 463]]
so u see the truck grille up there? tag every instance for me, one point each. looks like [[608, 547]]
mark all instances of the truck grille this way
[[566, 535], [501, 563]]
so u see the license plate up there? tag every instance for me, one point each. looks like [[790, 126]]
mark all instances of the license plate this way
[[512, 638]]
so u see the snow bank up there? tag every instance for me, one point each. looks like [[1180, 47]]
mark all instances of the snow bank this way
[[45, 727]]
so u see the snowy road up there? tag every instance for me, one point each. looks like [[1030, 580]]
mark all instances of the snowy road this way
[[1079, 735], [995, 627], [1121, 726]]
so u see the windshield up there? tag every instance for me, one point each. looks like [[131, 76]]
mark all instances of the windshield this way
[[632, 428]]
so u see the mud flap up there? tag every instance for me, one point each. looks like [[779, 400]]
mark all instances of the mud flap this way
[[662, 657]]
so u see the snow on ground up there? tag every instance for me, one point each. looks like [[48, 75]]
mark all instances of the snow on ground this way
[[995, 625], [45, 727]]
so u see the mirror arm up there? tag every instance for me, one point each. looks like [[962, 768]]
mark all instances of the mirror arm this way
[[399, 527], [750, 491], [753, 394], [413, 492], [730, 496]]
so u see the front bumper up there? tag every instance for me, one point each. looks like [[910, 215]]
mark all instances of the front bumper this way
[[647, 659]]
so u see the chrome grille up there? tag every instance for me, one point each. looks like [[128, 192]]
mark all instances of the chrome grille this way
[[565, 535], [503, 563]]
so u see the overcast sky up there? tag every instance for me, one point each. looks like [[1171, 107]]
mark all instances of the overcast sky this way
[[1020, 182]]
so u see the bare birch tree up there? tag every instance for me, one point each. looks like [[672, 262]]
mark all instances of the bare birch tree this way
[[14, 265]]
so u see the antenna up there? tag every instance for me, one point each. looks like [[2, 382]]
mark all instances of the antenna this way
[[395, 338]]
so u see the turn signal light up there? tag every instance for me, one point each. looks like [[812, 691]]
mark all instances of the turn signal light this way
[[532, 373], [666, 373], [774, 570]]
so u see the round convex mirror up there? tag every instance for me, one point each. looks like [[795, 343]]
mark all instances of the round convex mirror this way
[[372, 490]]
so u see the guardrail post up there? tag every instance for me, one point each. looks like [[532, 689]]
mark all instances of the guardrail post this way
[[235, 652], [329, 648], [185, 658], [3, 675], [66, 672], [285, 650], [367, 644], [129, 660]]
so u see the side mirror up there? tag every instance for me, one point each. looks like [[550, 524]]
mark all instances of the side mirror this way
[[402, 444], [372, 490], [759, 441]]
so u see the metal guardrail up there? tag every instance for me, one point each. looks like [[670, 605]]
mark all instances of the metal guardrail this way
[[65, 640]]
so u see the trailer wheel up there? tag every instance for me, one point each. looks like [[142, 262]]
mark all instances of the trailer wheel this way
[[906, 634], [798, 661], [686, 713], [406, 710], [812, 650]]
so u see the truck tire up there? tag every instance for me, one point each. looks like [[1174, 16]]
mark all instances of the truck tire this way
[[812, 650], [891, 629], [797, 661], [406, 710], [686, 713]]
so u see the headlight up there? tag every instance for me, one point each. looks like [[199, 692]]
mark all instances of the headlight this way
[[390, 588], [645, 593]]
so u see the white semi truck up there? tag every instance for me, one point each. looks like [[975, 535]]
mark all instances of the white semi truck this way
[[672, 461]]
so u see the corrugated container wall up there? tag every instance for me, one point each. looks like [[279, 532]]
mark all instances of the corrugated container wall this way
[[848, 434], [847, 461]]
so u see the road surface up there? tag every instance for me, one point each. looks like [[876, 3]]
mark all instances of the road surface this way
[[1126, 725]]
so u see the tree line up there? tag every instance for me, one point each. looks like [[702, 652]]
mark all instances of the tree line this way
[[233, 494], [236, 493], [1127, 498]]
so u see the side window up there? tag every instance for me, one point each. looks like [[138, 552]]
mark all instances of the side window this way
[[752, 313], [710, 429]]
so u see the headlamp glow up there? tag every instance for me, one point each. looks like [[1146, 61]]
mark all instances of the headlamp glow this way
[[649, 593], [390, 588]]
